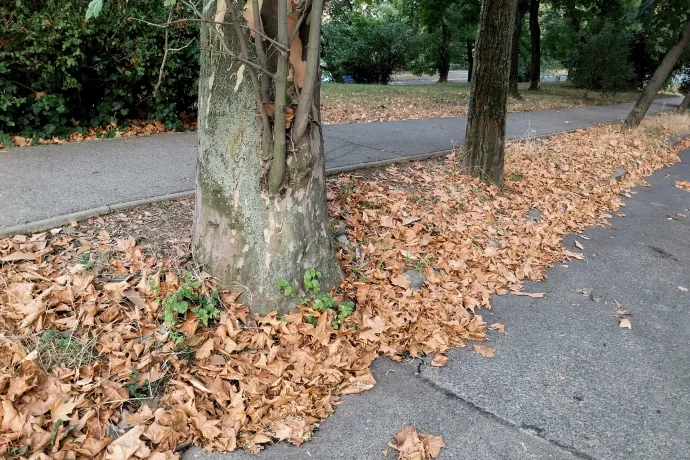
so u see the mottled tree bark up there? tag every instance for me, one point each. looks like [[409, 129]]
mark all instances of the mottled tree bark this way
[[444, 55], [486, 122], [470, 60], [521, 10], [684, 104], [244, 234], [667, 63], [535, 39]]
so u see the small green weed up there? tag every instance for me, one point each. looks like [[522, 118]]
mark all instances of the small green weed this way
[[516, 176], [324, 302], [286, 288], [189, 296], [146, 389], [311, 281]]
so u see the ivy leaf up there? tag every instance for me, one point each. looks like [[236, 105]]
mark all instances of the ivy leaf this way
[[94, 9], [169, 2]]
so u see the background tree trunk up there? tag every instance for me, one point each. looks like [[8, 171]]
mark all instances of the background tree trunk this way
[[647, 97], [470, 60], [521, 9], [684, 105], [486, 122], [535, 38], [444, 55], [245, 236]]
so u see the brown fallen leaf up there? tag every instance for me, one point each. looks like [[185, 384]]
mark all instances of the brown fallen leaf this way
[[578, 245], [413, 445], [534, 295], [683, 185], [625, 323], [574, 255], [499, 327], [19, 255], [485, 351], [126, 445], [439, 361]]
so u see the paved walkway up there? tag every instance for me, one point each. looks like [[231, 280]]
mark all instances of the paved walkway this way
[[55, 180], [567, 382]]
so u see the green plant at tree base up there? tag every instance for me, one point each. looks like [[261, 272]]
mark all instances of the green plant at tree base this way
[[189, 297], [286, 288], [324, 302]]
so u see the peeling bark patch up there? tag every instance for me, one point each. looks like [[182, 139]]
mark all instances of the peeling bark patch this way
[[221, 8], [234, 147]]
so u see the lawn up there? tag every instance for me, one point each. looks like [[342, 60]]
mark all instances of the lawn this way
[[342, 103]]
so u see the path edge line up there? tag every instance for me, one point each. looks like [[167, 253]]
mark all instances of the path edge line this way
[[59, 221]]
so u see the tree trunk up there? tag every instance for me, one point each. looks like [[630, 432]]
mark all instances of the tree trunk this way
[[521, 9], [470, 60], [444, 55], [647, 97], [535, 38], [684, 105], [486, 122], [244, 235]]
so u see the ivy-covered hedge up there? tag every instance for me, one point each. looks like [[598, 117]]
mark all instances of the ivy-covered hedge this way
[[58, 71]]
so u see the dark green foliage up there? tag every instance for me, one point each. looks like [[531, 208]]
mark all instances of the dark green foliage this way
[[56, 69], [601, 62], [189, 296], [369, 47]]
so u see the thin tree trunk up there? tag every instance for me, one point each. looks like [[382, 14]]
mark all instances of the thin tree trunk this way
[[647, 97], [684, 105], [470, 60], [486, 122], [521, 9], [535, 38], [444, 55], [244, 235]]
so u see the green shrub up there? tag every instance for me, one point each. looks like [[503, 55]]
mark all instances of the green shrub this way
[[368, 47], [58, 70], [601, 62]]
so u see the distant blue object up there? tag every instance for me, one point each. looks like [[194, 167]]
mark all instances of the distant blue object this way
[[348, 79]]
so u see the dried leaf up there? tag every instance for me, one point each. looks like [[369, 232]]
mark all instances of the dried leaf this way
[[625, 323], [499, 327], [534, 295], [439, 361], [485, 351], [126, 445]]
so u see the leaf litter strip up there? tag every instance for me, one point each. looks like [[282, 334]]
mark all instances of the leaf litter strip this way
[[144, 390]]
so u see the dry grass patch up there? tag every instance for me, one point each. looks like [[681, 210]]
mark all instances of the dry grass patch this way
[[171, 359], [342, 103]]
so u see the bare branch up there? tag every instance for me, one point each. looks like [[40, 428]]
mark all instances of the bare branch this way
[[261, 52], [305, 13], [311, 74], [266, 141], [277, 172], [185, 46], [208, 21], [165, 55], [266, 37]]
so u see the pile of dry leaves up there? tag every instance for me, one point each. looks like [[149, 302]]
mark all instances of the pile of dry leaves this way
[[413, 445], [132, 128], [89, 369]]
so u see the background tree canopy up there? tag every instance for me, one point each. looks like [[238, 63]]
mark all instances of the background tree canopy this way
[[58, 70]]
